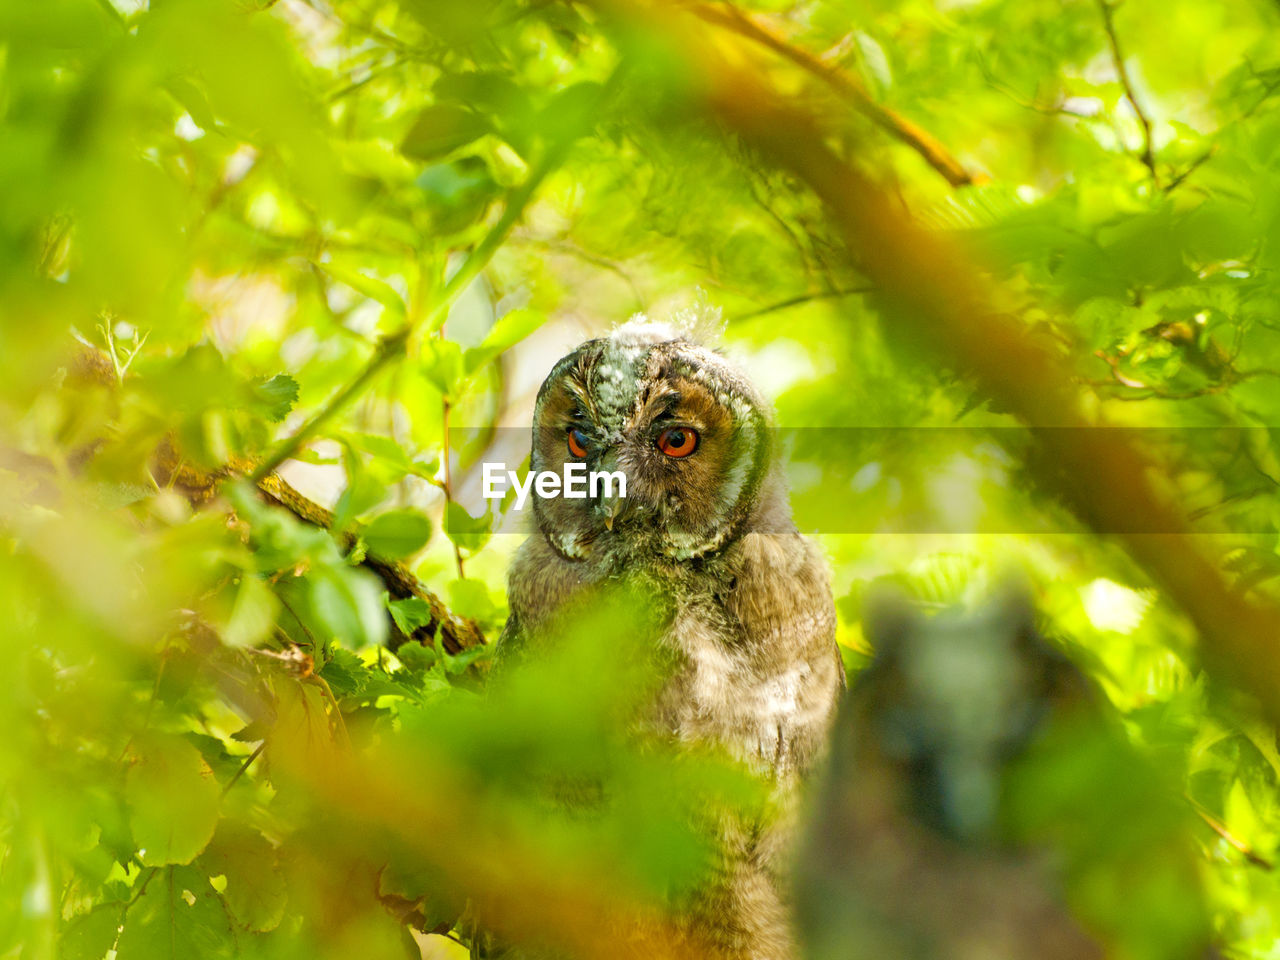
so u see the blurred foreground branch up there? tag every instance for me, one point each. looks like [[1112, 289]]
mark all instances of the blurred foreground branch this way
[[579, 908], [939, 297]]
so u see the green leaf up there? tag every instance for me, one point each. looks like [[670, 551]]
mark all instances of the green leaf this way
[[457, 194], [279, 539], [572, 112], [470, 533], [345, 673], [510, 329], [255, 891], [397, 534], [278, 394], [178, 917], [470, 598], [388, 460], [173, 801], [89, 937], [253, 613], [417, 658], [410, 614], [347, 604], [1242, 819], [363, 492], [377, 290], [442, 365], [441, 129]]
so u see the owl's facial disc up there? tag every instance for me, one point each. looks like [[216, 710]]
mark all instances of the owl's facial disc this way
[[684, 426]]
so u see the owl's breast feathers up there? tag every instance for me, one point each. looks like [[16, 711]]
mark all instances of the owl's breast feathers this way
[[751, 634], [761, 672]]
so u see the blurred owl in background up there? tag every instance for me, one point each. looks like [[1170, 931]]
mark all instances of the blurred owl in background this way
[[982, 800], [742, 605]]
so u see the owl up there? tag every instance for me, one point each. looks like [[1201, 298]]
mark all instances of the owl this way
[[981, 794], [745, 618]]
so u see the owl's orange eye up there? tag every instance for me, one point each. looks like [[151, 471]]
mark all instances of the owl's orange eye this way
[[678, 441], [577, 442]]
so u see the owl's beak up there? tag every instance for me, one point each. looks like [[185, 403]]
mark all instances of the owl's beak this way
[[611, 503], [612, 508]]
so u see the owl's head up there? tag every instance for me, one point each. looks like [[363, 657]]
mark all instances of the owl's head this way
[[686, 427]]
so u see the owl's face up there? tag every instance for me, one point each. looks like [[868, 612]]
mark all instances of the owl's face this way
[[687, 429]]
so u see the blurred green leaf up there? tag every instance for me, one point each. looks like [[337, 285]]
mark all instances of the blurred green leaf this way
[[442, 364], [468, 532], [254, 892], [173, 801], [253, 613], [397, 534], [377, 290], [509, 330], [441, 129], [279, 394]]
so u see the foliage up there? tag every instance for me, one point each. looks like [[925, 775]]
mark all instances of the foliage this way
[[350, 236]]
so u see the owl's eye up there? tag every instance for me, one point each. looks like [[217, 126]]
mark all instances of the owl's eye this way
[[577, 442], [678, 441]]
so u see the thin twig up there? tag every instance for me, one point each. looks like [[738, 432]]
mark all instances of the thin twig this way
[[797, 300], [1192, 167], [1147, 156], [569, 248], [124, 911], [446, 408], [1218, 827], [352, 86], [257, 751], [848, 86]]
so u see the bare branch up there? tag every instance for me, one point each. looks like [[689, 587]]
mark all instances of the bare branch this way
[[802, 298]]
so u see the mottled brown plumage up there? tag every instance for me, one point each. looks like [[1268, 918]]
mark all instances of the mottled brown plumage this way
[[744, 603]]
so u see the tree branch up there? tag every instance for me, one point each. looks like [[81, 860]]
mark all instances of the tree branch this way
[[1218, 827], [201, 487], [1147, 156], [456, 633], [845, 84], [799, 299]]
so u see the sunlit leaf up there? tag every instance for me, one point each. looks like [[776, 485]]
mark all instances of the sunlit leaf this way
[[178, 916]]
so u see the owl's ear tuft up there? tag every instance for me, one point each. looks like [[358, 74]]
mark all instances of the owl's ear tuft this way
[[696, 322], [640, 331], [700, 322]]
